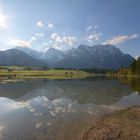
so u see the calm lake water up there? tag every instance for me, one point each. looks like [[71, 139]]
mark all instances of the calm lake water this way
[[60, 109]]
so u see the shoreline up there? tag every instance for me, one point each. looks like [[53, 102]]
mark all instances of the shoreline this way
[[20, 77], [124, 124]]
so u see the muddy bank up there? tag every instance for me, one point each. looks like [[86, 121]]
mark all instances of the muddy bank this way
[[124, 125]]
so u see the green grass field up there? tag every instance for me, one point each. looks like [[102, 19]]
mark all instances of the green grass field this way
[[14, 72]]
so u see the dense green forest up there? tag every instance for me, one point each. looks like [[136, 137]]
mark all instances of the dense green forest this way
[[135, 66], [134, 69]]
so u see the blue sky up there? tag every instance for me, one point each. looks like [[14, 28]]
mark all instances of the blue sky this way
[[63, 24]]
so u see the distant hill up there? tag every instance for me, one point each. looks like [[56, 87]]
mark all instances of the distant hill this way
[[17, 57]]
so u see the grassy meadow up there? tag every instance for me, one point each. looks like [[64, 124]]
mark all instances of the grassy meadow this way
[[19, 73]]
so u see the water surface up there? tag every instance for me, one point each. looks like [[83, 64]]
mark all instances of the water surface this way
[[59, 109]]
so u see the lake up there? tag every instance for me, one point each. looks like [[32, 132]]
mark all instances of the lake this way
[[61, 109]]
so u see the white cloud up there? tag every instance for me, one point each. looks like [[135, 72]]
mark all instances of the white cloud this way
[[33, 39], [96, 26], [19, 42], [50, 25], [39, 34], [25, 43], [54, 35], [40, 24], [69, 40], [89, 28], [93, 37], [58, 46], [120, 39], [4, 21], [134, 36]]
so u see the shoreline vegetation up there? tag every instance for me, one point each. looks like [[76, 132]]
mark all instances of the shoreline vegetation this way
[[15, 74], [21, 73]]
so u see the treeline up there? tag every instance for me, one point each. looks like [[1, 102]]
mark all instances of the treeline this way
[[134, 69], [90, 70], [99, 71], [135, 66]]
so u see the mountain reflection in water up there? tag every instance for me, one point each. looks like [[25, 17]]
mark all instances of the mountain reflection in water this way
[[59, 109]]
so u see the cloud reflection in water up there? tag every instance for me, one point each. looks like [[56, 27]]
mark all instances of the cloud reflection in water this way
[[41, 113]]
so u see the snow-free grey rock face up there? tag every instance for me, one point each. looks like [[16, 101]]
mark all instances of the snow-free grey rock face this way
[[17, 57], [49, 57], [33, 53], [53, 55], [84, 56], [98, 56]]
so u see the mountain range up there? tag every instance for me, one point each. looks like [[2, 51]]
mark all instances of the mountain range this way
[[84, 56], [18, 58]]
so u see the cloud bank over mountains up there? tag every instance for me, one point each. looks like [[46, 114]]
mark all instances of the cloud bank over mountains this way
[[64, 41]]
